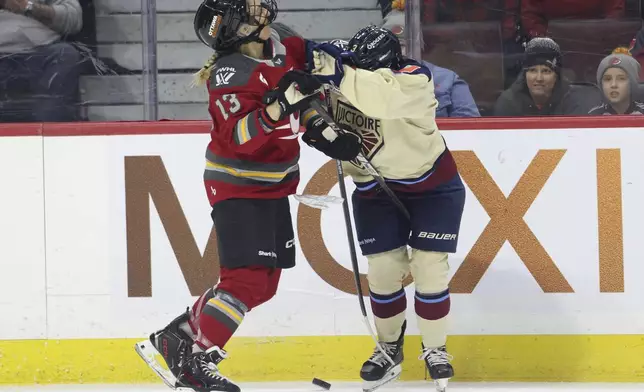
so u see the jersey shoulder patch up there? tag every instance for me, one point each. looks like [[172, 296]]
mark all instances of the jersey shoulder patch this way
[[414, 68], [233, 70], [409, 69]]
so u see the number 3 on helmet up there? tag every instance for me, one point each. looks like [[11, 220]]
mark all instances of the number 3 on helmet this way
[[220, 24]]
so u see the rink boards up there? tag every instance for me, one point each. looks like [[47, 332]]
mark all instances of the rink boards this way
[[106, 236]]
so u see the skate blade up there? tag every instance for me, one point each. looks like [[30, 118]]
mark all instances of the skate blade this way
[[149, 353], [392, 375], [441, 384]]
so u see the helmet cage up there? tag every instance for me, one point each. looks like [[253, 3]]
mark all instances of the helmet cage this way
[[217, 23]]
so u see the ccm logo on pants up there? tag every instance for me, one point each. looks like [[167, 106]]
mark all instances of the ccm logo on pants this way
[[437, 236]]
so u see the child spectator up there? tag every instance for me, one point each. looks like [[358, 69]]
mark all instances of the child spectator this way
[[617, 77]]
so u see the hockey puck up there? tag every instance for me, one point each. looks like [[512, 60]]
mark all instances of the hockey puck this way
[[321, 383]]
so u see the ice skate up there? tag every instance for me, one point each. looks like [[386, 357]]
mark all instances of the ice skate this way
[[200, 373], [173, 344], [377, 370], [438, 364]]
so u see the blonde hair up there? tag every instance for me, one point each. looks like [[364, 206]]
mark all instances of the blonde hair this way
[[201, 77]]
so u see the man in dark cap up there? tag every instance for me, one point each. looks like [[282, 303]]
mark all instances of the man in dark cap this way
[[540, 90]]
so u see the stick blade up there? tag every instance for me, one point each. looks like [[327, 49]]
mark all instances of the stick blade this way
[[320, 202]]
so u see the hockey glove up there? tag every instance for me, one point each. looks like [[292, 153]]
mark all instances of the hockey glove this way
[[327, 69], [310, 49], [293, 92], [329, 61], [343, 146], [332, 50]]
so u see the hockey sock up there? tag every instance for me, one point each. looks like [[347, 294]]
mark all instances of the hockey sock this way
[[221, 316], [218, 312], [197, 308], [389, 314], [431, 312]]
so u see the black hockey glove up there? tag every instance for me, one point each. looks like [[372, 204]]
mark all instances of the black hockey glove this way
[[343, 146], [293, 92]]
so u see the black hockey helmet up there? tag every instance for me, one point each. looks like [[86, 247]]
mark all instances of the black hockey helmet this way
[[217, 22], [375, 47]]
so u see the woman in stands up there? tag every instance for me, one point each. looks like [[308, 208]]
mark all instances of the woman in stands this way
[[257, 90], [540, 90]]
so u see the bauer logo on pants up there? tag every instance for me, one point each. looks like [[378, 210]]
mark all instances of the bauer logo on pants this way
[[437, 236]]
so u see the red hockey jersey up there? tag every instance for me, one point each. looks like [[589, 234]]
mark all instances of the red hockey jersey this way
[[250, 155]]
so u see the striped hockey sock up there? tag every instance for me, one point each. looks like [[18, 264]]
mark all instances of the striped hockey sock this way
[[389, 312], [431, 312], [220, 317]]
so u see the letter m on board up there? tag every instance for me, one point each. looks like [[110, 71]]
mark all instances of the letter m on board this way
[[146, 179]]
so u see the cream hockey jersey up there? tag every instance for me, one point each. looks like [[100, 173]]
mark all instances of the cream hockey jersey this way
[[395, 113]]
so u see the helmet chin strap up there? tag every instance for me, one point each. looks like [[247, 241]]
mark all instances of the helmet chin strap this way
[[253, 36]]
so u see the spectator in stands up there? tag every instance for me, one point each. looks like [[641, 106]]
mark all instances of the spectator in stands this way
[[618, 78], [505, 13], [539, 90], [452, 93], [393, 12], [450, 11], [637, 49], [32, 53], [535, 14]]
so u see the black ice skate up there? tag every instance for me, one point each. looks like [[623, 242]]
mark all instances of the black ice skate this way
[[201, 374], [438, 364], [173, 344], [377, 370]]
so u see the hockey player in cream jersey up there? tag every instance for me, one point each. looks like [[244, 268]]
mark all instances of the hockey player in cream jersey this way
[[389, 100]]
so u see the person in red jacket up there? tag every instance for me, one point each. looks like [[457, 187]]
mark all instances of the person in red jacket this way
[[259, 97], [451, 11], [535, 14], [636, 49]]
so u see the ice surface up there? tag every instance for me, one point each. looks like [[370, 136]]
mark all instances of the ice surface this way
[[349, 387]]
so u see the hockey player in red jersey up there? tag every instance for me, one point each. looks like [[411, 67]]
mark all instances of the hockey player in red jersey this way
[[390, 101], [259, 98]]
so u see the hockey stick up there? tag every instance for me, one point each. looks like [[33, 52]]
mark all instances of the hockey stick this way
[[320, 202], [354, 259], [349, 228], [362, 160]]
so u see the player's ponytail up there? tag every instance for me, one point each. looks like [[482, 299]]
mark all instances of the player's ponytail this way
[[203, 75]]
